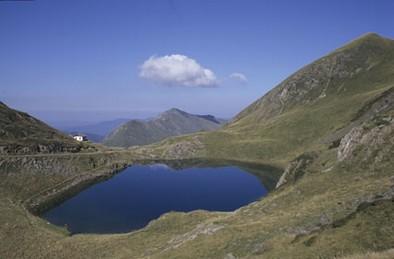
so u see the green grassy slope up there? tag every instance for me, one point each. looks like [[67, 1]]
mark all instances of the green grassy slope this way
[[300, 113], [331, 125], [22, 133], [335, 209]]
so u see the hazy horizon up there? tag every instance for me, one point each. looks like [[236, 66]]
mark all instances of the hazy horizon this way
[[73, 119]]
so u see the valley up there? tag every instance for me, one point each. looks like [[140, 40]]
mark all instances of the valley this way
[[329, 128]]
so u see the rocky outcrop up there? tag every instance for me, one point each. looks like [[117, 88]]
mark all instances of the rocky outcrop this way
[[384, 102], [184, 149], [199, 230], [55, 147], [296, 169], [371, 136]]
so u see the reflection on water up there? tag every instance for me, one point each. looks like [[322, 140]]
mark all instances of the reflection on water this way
[[140, 193]]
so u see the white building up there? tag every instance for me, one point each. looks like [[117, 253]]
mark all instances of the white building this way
[[80, 138]]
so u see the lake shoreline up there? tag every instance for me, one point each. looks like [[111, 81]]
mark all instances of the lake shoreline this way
[[54, 195], [143, 192]]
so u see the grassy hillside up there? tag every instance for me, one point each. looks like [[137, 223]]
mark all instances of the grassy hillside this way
[[330, 125], [303, 111], [331, 209], [21, 133]]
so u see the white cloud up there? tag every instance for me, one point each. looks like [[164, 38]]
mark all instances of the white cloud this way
[[239, 76], [177, 70]]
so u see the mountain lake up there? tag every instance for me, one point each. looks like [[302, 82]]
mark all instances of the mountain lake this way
[[141, 193]]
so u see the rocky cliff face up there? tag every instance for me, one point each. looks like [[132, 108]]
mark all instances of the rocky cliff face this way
[[370, 140]]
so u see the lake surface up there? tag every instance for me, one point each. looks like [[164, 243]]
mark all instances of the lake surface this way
[[141, 193]]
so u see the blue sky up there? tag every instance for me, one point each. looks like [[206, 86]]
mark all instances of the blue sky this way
[[82, 60]]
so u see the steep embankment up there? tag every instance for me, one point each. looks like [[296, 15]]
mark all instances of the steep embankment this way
[[21, 133], [173, 122]]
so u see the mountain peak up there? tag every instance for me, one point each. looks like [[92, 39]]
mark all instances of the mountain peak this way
[[370, 39], [332, 75], [173, 122], [175, 110], [370, 35]]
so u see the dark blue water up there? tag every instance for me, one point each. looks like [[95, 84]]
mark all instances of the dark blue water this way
[[140, 193]]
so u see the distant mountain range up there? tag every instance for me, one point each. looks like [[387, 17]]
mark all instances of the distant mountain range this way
[[173, 122], [96, 132]]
